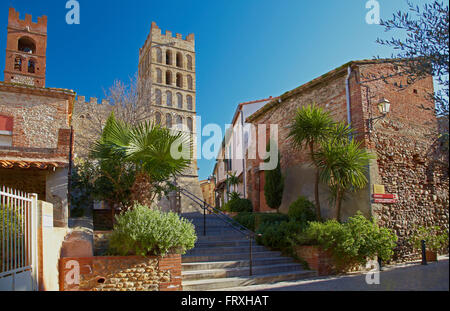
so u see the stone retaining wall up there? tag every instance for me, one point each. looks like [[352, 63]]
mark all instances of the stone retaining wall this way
[[130, 273]]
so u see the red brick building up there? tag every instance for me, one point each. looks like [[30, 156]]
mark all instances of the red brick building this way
[[35, 122], [409, 159], [25, 50]]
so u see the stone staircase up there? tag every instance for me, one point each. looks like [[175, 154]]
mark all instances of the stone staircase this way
[[220, 260]]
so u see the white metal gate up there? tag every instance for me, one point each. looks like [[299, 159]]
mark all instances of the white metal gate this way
[[18, 240]]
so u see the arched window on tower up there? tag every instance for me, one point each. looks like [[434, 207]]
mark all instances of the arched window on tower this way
[[18, 63], [189, 124], [26, 45], [179, 60], [168, 57], [158, 75], [189, 102], [190, 82], [189, 62], [180, 100], [159, 55], [31, 66], [158, 96], [158, 118], [179, 123], [168, 120], [179, 80], [169, 98], [168, 77]]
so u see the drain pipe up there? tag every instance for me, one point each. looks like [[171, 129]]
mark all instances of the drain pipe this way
[[347, 90], [244, 166]]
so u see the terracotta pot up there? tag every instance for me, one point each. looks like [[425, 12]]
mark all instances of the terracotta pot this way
[[431, 255]]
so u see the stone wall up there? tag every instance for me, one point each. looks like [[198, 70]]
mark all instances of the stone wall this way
[[38, 115], [131, 273], [410, 159]]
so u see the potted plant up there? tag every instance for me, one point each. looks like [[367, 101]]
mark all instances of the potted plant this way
[[435, 240]]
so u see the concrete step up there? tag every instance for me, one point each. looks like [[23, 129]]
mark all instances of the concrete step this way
[[225, 237], [223, 283], [213, 226], [222, 243], [231, 256], [240, 271], [230, 232], [225, 250], [189, 266]]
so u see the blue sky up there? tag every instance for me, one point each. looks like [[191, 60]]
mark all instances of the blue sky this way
[[246, 49]]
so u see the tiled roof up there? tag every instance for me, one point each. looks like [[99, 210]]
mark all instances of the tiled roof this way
[[43, 165]]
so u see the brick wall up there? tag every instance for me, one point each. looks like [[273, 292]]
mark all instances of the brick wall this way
[[131, 273], [317, 259], [410, 161]]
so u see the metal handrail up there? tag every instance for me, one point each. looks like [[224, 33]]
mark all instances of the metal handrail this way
[[249, 234]]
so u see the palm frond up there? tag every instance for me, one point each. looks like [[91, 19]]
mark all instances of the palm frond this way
[[311, 124]]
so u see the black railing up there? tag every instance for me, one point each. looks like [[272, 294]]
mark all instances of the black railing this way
[[249, 234]]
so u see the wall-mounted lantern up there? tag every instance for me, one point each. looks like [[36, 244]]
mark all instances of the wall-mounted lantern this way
[[384, 107]]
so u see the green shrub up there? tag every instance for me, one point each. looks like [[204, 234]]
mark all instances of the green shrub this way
[[238, 205], [435, 238], [351, 243], [302, 210], [279, 235], [254, 220], [142, 231], [246, 219], [12, 224]]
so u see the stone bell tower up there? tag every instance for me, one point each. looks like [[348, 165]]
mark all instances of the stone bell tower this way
[[167, 84], [25, 50]]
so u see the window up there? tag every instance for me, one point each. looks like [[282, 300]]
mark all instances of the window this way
[[158, 75], [169, 99], [189, 62], [179, 123], [158, 97], [159, 55], [189, 123], [6, 128], [27, 45], [31, 66], [189, 102], [180, 100], [179, 80], [18, 63], [168, 57], [168, 78], [190, 82], [158, 118], [168, 120], [179, 60]]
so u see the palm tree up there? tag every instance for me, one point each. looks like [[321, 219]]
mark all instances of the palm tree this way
[[233, 180], [311, 126], [156, 153], [343, 165]]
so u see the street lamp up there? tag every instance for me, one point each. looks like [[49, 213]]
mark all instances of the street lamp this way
[[384, 107]]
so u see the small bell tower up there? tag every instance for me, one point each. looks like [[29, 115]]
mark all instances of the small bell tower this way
[[25, 50]]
